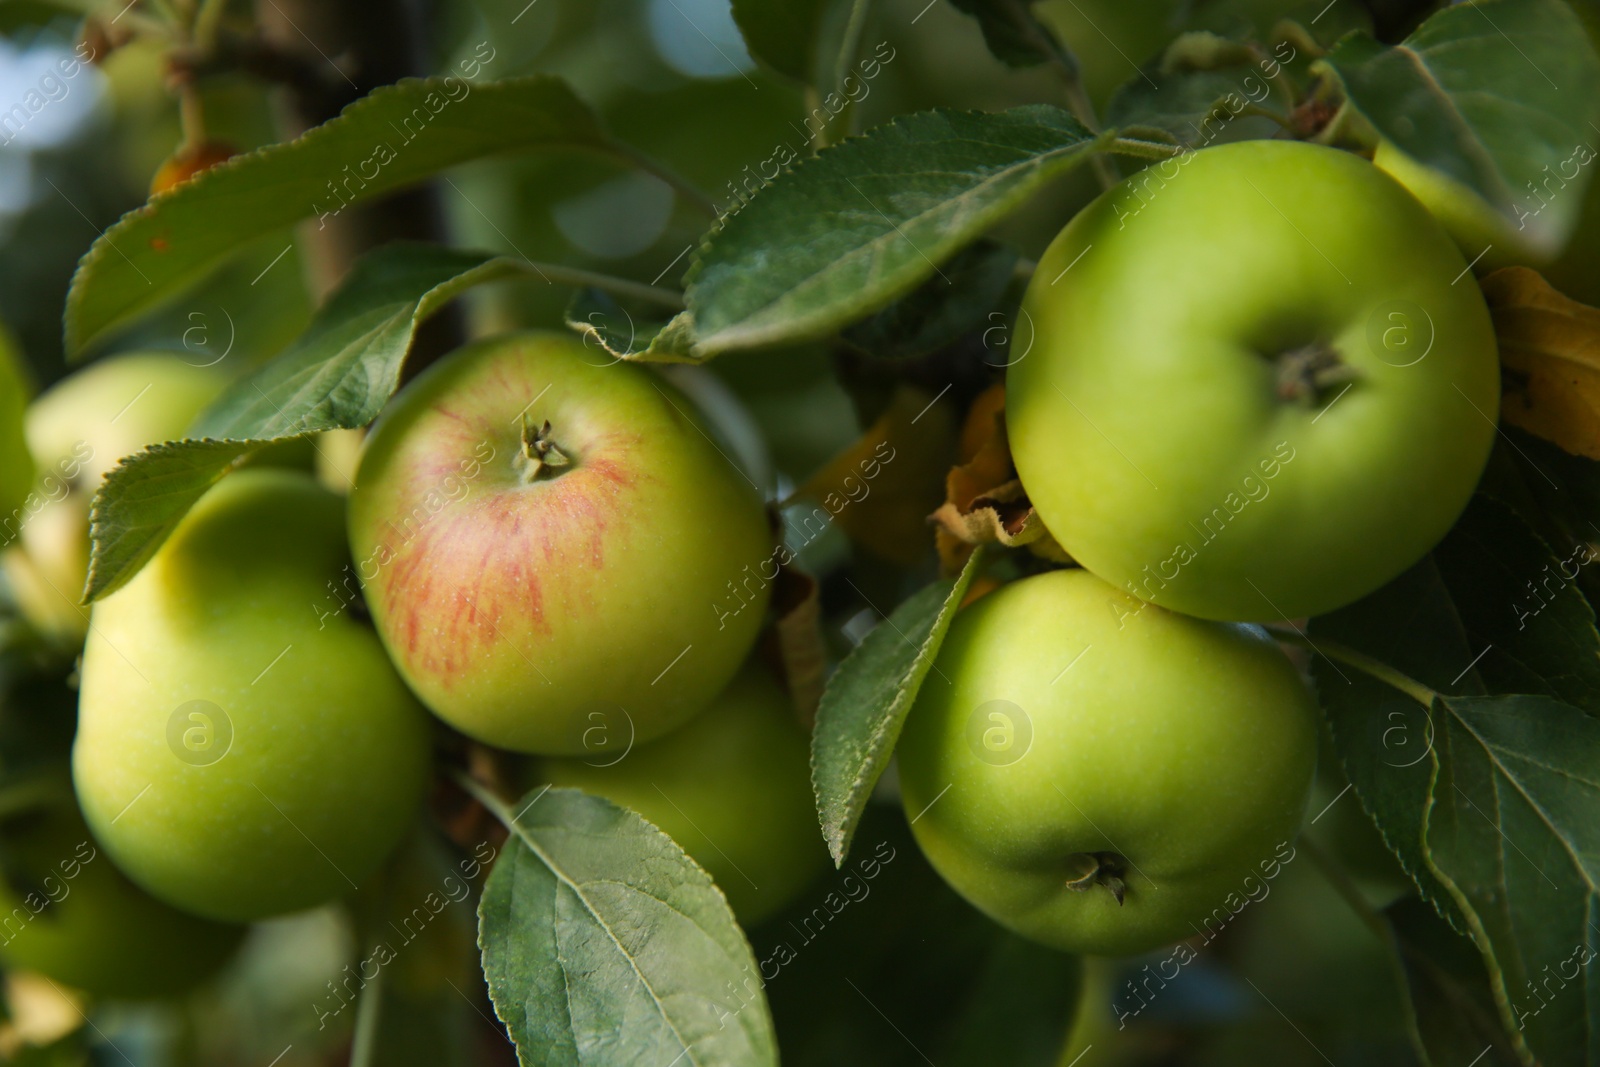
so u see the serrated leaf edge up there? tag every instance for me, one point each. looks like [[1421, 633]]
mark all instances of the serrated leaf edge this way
[[880, 744], [751, 337], [93, 588], [513, 825]]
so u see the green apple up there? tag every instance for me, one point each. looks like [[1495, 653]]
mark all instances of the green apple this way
[[540, 534], [1260, 383], [77, 431], [244, 749], [1102, 775], [732, 787], [68, 914]]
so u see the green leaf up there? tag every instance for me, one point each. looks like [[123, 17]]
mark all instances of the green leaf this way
[[1519, 607], [867, 700], [344, 368], [1488, 612], [867, 221], [1490, 94], [1553, 491], [1451, 1005], [1489, 801], [623, 334], [1502, 825], [785, 36], [1383, 737], [1513, 833], [396, 136], [604, 943], [1201, 83], [979, 293], [337, 376], [143, 499]]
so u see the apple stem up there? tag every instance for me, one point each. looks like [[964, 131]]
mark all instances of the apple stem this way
[[1307, 373], [540, 453], [1100, 869]]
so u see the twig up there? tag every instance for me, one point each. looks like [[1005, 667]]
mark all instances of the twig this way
[[1360, 661], [573, 276], [491, 800], [1283, 121], [191, 117], [1142, 149], [851, 42], [848, 47], [813, 103], [364, 1045], [207, 21], [1071, 72]]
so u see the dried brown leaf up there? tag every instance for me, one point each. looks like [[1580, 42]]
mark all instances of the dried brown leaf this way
[[796, 640], [984, 501], [879, 490], [1550, 352]]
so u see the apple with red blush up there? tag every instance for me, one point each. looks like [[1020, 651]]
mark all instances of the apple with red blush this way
[[549, 545]]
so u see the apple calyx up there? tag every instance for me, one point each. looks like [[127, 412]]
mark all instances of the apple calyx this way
[[1305, 374], [540, 453], [1099, 868]]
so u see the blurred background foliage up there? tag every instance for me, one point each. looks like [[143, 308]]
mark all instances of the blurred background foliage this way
[[671, 77]]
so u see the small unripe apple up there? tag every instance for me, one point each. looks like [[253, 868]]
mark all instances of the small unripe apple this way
[[244, 749], [77, 430], [541, 535], [732, 787], [1103, 775], [68, 914]]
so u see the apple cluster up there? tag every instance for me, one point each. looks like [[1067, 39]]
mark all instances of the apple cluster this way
[[571, 603], [243, 752], [1274, 299], [546, 540]]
